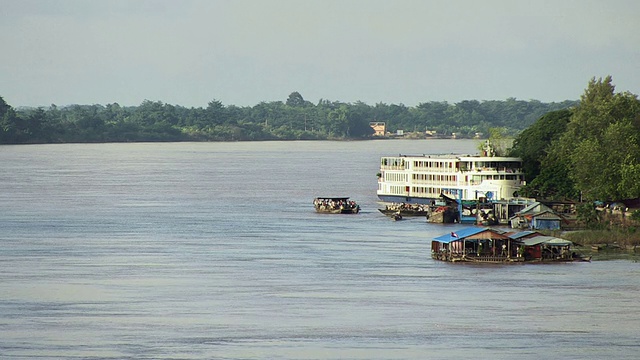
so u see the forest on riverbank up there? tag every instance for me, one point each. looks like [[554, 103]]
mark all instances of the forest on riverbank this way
[[588, 152], [589, 155], [293, 119]]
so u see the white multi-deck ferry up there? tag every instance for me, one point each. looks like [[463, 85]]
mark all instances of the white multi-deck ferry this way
[[423, 179]]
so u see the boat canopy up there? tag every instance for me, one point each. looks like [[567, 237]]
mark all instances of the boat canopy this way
[[334, 198]]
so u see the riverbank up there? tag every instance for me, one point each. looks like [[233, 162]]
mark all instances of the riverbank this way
[[606, 244]]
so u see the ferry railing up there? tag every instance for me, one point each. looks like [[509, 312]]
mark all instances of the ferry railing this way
[[392, 167], [492, 169]]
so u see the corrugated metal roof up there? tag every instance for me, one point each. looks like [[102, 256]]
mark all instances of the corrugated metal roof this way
[[529, 208], [559, 242], [461, 234], [549, 240], [469, 232], [522, 234], [532, 209]]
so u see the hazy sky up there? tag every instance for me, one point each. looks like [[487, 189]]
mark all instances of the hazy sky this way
[[242, 52]]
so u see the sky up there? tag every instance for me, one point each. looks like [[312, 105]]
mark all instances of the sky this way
[[243, 52]]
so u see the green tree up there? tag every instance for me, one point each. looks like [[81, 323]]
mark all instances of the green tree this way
[[337, 123], [553, 181], [9, 123], [532, 145], [588, 215], [216, 113], [295, 99]]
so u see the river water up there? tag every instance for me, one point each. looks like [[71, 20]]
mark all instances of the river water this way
[[214, 251]]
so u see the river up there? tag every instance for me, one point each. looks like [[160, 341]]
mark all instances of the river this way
[[214, 251]]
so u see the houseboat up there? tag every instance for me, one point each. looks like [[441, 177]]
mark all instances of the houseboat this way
[[476, 244], [423, 179], [487, 245]]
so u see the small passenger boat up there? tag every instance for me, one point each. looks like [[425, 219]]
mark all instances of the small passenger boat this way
[[335, 205]]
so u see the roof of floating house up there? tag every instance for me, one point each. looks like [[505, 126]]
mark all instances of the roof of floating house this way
[[524, 234], [548, 240], [471, 233]]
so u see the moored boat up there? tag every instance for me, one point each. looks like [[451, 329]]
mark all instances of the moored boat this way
[[405, 209], [443, 215], [335, 205]]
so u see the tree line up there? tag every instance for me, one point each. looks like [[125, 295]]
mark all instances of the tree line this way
[[293, 119]]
